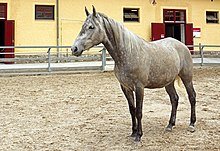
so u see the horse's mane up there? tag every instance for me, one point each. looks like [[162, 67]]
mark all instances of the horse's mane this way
[[119, 34]]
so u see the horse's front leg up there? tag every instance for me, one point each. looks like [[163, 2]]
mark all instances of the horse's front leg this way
[[139, 93], [130, 97]]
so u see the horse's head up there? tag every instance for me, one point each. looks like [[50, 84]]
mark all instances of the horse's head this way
[[90, 35]]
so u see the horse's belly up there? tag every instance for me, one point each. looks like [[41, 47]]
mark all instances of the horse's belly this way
[[159, 83], [163, 70], [156, 77], [161, 78]]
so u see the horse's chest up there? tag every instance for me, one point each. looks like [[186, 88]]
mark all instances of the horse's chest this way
[[125, 77]]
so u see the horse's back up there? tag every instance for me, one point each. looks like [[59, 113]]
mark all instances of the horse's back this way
[[173, 44], [185, 58]]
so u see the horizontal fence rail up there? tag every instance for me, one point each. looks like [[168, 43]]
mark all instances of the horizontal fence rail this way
[[212, 55], [47, 56]]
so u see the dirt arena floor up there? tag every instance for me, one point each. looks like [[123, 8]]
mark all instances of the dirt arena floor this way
[[88, 111]]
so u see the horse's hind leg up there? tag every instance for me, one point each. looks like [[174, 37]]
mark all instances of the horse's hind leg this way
[[174, 98], [130, 97], [192, 99]]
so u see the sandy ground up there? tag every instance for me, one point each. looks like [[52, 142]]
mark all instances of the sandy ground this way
[[88, 111]]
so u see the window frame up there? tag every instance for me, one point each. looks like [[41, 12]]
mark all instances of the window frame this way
[[214, 15], [4, 5], [44, 17], [173, 14], [130, 11]]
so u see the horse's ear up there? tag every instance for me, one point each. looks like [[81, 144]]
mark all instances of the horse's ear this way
[[87, 12], [94, 11]]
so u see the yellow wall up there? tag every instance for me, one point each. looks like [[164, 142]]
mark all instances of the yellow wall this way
[[29, 31], [196, 14], [74, 14], [195, 11], [209, 32]]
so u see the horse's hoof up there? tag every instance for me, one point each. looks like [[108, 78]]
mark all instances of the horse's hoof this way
[[168, 129], [133, 135], [191, 129], [137, 139]]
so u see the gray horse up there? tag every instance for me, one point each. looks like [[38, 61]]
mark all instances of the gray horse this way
[[140, 64]]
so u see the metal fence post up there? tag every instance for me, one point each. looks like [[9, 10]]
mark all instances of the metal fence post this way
[[49, 60], [201, 53], [103, 58], [58, 55]]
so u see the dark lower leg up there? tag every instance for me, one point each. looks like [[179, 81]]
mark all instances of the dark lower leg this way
[[139, 104], [192, 100], [134, 123], [174, 102], [174, 98], [130, 98]]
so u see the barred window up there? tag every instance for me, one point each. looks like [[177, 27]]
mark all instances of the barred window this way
[[174, 16], [212, 17], [44, 12], [131, 15], [3, 11]]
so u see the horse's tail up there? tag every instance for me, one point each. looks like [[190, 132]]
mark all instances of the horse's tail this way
[[179, 87], [177, 83]]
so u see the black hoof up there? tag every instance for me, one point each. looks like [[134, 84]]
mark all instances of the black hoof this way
[[137, 139], [133, 134]]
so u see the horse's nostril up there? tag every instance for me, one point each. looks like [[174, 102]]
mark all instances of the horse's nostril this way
[[75, 49]]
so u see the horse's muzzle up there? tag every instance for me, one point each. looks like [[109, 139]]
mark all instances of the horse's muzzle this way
[[75, 51]]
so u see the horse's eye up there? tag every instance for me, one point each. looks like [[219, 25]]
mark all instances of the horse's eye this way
[[91, 27]]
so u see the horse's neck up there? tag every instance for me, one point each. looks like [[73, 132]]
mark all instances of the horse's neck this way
[[119, 41]]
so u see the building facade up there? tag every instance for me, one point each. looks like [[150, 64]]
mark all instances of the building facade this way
[[57, 22]]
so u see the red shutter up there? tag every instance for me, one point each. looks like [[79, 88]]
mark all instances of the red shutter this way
[[157, 31], [9, 38], [189, 35]]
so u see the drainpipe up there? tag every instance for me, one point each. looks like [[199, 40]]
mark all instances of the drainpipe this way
[[58, 34]]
